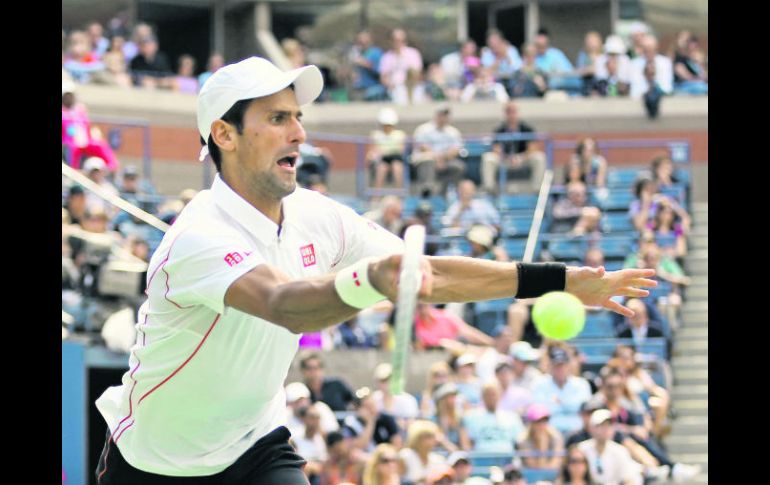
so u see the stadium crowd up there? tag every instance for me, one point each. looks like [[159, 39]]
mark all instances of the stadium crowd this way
[[127, 56]]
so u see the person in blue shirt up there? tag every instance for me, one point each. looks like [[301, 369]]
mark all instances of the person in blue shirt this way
[[489, 429], [501, 57], [561, 391], [552, 61], [365, 57]]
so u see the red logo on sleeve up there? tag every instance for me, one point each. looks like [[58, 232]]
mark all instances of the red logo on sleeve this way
[[308, 255], [233, 258]]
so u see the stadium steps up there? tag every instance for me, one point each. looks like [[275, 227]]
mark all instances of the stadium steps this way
[[688, 441]]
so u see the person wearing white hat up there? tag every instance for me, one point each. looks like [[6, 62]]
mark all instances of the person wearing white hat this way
[[247, 267], [402, 406], [95, 168], [298, 397], [387, 151], [613, 69], [608, 461], [78, 137]]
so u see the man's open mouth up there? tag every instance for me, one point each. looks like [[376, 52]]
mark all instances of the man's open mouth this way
[[289, 161]]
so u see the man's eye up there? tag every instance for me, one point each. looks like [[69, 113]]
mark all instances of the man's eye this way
[[277, 119]]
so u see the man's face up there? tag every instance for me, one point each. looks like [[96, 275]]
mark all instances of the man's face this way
[[399, 39], [363, 39], [468, 49], [442, 118], [613, 387], [504, 376], [640, 317], [148, 48], [462, 471], [96, 175], [215, 62], [602, 432], [272, 131], [491, 396], [541, 44], [511, 114], [312, 370], [312, 419], [466, 190], [130, 184], [95, 30], [649, 47], [612, 63], [560, 370]]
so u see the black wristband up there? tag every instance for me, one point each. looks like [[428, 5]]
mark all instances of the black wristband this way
[[537, 279]]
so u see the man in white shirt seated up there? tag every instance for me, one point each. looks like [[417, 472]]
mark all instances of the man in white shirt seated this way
[[610, 463]]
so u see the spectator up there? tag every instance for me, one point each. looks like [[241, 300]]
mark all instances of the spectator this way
[[594, 258], [650, 255], [432, 324], [461, 464], [369, 426], [294, 52], [400, 68], [669, 230], [469, 211], [588, 59], [216, 61], [482, 240], [313, 160], [651, 70], [640, 327], [613, 69], [344, 464], [150, 67], [402, 406], [423, 215], [366, 58], [78, 137], [389, 213], [484, 87], [460, 68], [525, 164], [587, 165], [316, 183], [448, 416], [642, 210], [638, 31], [573, 214], [350, 335], [418, 457], [309, 442], [468, 383], [500, 56], [529, 81], [79, 60], [141, 31], [95, 168], [436, 153], [514, 398], [489, 357], [663, 175], [513, 476], [138, 248], [562, 392], [652, 92], [387, 151], [99, 42], [555, 64], [439, 373], [430, 85], [525, 374], [640, 383], [609, 462], [488, 428], [690, 75], [116, 67], [382, 467], [541, 439], [76, 204], [297, 399], [185, 80], [575, 470], [331, 390]]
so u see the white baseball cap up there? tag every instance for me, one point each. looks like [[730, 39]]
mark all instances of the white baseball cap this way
[[387, 116], [600, 416], [254, 77], [614, 45], [466, 359], [296, 390], [94, 163], [383, 371], [67, 86]]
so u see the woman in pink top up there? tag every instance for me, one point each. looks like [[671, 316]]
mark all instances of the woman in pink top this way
[[432, 324], [76, 132]]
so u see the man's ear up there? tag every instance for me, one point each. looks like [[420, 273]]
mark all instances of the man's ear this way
[[223, 135]]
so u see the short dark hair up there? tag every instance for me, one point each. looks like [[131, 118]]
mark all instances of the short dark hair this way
[[234, 116], [543, 31], [313, 356], [333, 438]]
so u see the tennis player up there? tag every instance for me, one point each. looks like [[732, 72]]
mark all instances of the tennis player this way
[[250, 265]]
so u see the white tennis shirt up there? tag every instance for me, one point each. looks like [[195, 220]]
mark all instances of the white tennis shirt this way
[[205, 381]]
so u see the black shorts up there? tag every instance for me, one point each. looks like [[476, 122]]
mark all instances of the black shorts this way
[[389, 159], [271, 461]]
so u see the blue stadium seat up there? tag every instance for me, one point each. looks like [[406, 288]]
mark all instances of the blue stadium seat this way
[[515, 248], [516, 201], [617, 200], [621, 177], [516, 225], [568, 249], [482, 459], [491, 313], [534, 475], [617, 222], [351, 201], [616, 247], [613, 265], [664, 288], [598, 325], [599, 351]]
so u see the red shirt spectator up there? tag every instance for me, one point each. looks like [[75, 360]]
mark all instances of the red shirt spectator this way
[[432, 324]]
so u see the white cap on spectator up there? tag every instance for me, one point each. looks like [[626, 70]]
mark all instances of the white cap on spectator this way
[[67, 86], [254, 77], [295, 391], [383, 371], [387, 116], [638, 27], [94, 163], [457, 456], [614, 45], [523, 351], [466, 359], [600, 416], [481, 235]]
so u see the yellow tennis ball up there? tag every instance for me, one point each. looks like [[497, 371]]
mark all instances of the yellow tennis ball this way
[[559, 315]]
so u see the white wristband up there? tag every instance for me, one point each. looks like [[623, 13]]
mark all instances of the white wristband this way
[[353, 287]]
